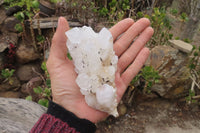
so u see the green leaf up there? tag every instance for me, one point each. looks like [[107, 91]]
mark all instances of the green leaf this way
[[69, 56], [29, 98], [48, 83], [44, 102], [47, 92], [35, 4], [43, 66], [19, 28], [38, 90]]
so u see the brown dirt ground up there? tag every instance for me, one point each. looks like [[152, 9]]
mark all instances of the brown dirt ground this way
[[156, 116]]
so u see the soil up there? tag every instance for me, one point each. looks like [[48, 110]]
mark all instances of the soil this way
[[156, 116]]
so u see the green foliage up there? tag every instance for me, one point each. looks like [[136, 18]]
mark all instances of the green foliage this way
[[184, 17], [194, 60], [40, 38], [187, 40], [103, 12], [19, 28], [6, 73], [55, 1], [150, 75], [174, 11], [161, 25], [29, 98], [43, 92], [29, 9], [44, 102], [69, 56], [189, 98], [177, 38], [38, 90], [140, 15], [20, 16]]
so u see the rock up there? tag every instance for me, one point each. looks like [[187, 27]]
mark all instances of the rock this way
[[1, 60], [1, 2], [24, 89], [3, 46], [122, 109], [34, 82], [12, 37], [13, 10], [2, 14], [47, 7], [26, 72], [12, 84], [7, 38], [181, 45], [172, 66], [18, 115], [26, 53], [10, 94], [9, 24]]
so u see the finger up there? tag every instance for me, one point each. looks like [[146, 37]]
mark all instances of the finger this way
[[124, 42], [135, 67], [129, 55], [59, 48], [121, 27]]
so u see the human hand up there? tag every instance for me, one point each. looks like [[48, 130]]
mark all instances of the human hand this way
[[66, 92]]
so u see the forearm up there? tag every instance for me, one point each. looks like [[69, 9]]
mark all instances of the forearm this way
[[58, 120]]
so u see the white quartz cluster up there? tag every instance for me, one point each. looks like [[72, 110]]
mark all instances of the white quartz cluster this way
[[95, 63]]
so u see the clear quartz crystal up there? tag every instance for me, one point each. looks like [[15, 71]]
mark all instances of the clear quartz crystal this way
[[95, 63]]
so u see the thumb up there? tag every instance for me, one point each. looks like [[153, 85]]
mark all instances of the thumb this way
[[59, 48]]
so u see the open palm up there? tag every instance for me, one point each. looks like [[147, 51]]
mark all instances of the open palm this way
[[66, 92]]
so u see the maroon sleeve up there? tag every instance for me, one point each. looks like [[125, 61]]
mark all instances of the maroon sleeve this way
[[59, 120], [49, 124]]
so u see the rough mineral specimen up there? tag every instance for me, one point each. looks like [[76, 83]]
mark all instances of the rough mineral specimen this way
[[95, 63]]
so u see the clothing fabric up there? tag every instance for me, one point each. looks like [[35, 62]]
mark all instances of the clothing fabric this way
[[59, 120]]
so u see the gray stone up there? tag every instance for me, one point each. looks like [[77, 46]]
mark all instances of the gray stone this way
[[26, 53], [1, 60], [7, 38], [12, 37], [9, 24], [27, 72], [18, 115], [3, 46], [2, 14], [172, 67], [27, 88], [181, 45], [11, 84], [1, 2]]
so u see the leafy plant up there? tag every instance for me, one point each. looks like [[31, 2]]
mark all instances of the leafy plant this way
[[174, 11], [55, 1], [6, 74], [150, 76], [161, 25], [184, 17], [194, 61], [43, 92], [189, 98], [29, 9]]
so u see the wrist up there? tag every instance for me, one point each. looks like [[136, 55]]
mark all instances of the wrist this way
[[81, 125]]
